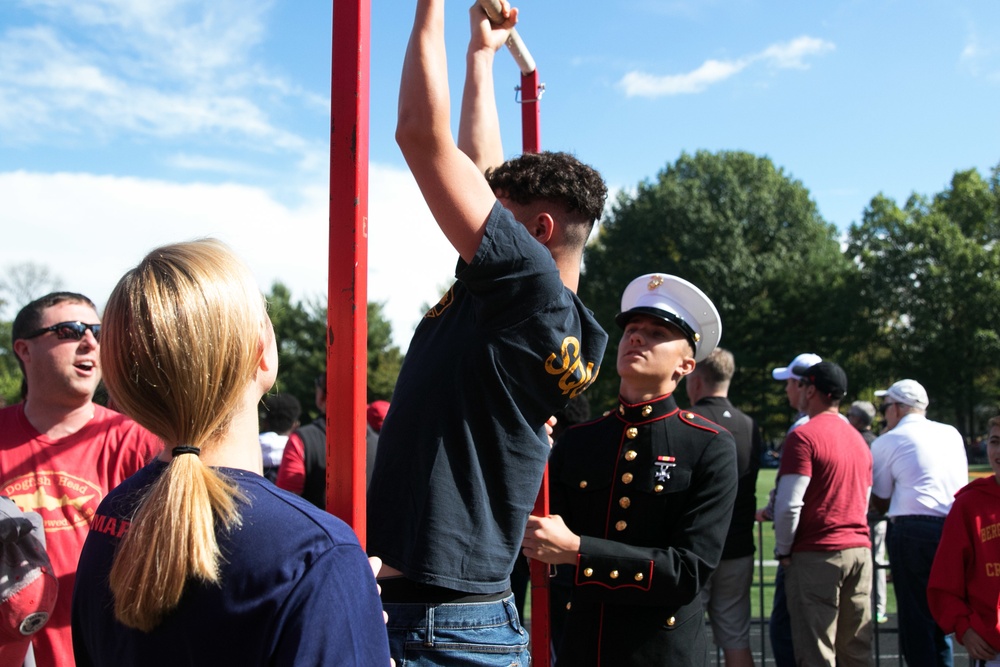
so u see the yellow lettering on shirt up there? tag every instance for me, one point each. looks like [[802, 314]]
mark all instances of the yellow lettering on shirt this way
[[574, 375], [990, 532]]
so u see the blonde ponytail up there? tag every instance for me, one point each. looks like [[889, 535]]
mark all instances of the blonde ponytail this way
[[180, 341]]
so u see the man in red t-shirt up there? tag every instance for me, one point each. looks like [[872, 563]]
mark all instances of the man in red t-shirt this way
[[821, 526], [60, 453]]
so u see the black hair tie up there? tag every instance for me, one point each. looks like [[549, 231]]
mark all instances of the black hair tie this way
[[185, 449]]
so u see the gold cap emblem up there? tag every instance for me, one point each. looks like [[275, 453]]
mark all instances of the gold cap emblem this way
[[655, 282]]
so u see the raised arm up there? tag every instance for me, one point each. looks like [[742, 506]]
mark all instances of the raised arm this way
[[479, 125], [455, 190]]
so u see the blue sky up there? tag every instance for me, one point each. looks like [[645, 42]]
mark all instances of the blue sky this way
[[125, 124]]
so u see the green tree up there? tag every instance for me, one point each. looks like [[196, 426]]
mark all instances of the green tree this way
[[751, 238], [930, 271], [10, 372], [384, 358], [300, 328]]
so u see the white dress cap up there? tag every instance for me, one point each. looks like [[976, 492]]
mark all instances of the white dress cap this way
[[677, 302]]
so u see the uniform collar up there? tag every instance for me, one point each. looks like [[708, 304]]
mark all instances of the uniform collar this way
[[647, 411], [713, 400]]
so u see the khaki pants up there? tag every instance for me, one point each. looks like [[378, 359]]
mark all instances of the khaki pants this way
[[829, 599]]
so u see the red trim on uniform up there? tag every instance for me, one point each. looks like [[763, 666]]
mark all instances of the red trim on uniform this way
[[684, 418]]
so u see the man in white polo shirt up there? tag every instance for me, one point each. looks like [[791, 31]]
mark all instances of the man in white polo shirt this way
[[919, 464]]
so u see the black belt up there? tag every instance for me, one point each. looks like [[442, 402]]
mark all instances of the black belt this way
[[403, 590], [916, 517]]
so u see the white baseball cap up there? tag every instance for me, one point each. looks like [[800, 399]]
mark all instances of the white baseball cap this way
[[806, 359], [908, 392]]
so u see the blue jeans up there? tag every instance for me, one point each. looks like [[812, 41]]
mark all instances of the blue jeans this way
[[477, 634], [780, 625], [912, 542]]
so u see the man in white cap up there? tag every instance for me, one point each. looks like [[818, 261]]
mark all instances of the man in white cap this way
[[642, 498], [780, 624], [919, 465]]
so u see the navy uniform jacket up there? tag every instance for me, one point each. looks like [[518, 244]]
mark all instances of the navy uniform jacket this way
[[650, 490]]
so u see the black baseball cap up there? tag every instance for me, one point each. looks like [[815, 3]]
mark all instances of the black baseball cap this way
[[826, 376]]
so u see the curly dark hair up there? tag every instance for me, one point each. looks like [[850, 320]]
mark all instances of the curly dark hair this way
[[555, 177]]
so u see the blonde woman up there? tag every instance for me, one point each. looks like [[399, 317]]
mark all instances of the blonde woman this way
[[197, 559]]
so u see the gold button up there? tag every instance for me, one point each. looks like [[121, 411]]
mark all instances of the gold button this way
[[658, 488], [589, 572], [648, 410], [621, 409], [638, 576], [569, 605], [631, 433], [671, 621], [630, 455], [689, 415], [583, 484], [624, 502], [627, 478], [620, 526], [614, 574]]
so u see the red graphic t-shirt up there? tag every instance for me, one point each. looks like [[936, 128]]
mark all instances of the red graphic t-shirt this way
[[64, 480]]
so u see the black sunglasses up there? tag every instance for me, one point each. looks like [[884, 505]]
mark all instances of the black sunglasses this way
[[68, 330], [885, 407]]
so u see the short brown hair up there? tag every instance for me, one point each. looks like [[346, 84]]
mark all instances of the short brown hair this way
[[718, 368]]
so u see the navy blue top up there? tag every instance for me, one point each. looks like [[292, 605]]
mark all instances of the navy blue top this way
[[296, 590], [463, 447]]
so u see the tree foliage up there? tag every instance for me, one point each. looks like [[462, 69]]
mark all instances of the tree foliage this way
[[24, 282], [930, 271], [750, 237], [300, 328]]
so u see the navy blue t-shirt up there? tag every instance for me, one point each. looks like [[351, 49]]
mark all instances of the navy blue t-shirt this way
[[296, 590], [463, 447]]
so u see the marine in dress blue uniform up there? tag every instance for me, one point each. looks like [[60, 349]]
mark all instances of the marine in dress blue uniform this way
[[648, 491]]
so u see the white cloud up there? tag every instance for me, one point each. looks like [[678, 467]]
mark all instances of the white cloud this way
[[167, 69], [640, 84], [90, 229], [791, 55], [981, 60], [787, 55]]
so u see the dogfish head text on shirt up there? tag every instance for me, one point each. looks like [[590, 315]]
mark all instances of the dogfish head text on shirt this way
[[575, 373]]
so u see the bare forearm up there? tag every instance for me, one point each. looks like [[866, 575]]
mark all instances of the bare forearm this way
[[479, 126]]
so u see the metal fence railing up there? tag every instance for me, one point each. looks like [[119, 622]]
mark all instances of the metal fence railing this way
[[885, 642]]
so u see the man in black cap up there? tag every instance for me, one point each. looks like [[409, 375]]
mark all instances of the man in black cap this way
[[642, 498], [821, 527]]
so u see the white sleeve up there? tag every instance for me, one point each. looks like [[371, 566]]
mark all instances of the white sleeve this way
[[882, 482], [787, 507]]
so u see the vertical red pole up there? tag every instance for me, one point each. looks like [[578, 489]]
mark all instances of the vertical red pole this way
[[541, 634], [531, 113], [347, 310]]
